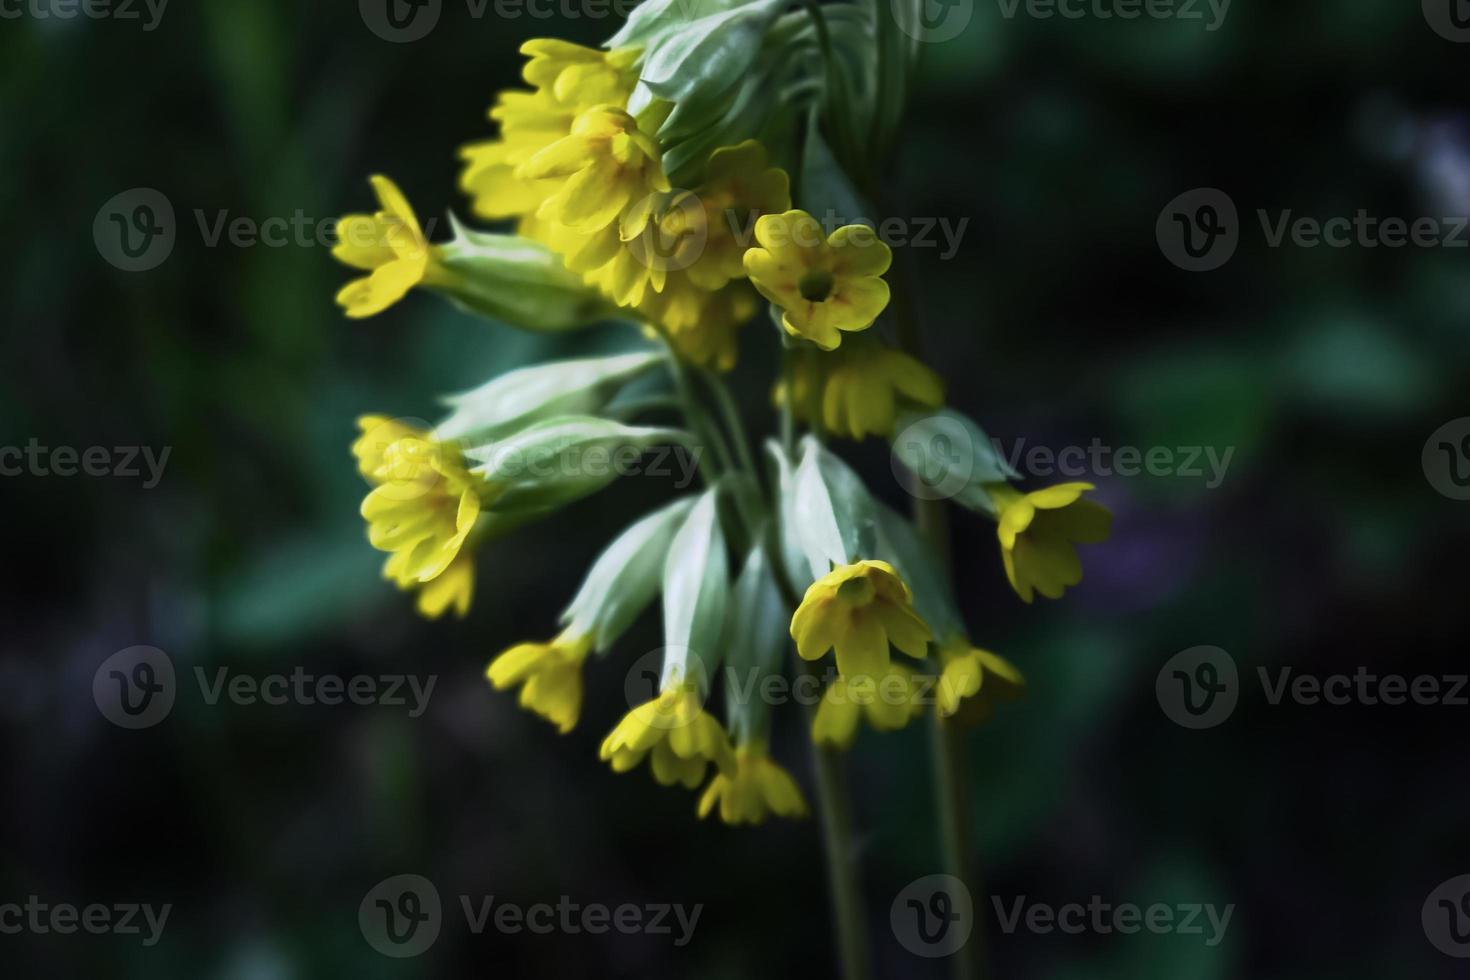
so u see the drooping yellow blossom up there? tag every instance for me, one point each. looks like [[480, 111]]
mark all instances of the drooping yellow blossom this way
[[708, 229], [391, 246], [755, 789], [824, 284], [611, 169], [422, 507], [888, 701], [550, 675], [858, 390], [682, 737], [859, 609], [567, 79], [974, 680], [704, 327], [1037, 531]]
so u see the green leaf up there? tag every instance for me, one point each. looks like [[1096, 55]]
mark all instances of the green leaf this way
[[834, 518], [516, 281], [625, 577], [518, 398], [949, 456], [559, 460], [793, 554], [756, 639], [654, 19], [696, 586], [709, 54]]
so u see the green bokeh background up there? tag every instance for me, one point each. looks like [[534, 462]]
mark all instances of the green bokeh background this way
[[1058, 321]]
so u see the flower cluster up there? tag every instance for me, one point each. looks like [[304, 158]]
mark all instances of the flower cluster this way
[[647, 184]]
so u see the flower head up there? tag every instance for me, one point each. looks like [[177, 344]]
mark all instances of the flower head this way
[[567, 79], [859, 610], [610, 169], [859, 390], [422, 507], [825, 284], [681, 736], [974, 680], [1037, 531], [710, 226], [389, 244], [550, 675], [753, 790], [888, 700]]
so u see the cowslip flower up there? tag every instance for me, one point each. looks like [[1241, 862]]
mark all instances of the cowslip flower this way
[[1037, 531], [611, 170], [859, 390], [858, 610], [550, 675], [391, 246], [824, 285], [422, 507], [974, 680], [888, 701], [703, 326], [567, 79], [710, 225], [675, 730], [756, 788]]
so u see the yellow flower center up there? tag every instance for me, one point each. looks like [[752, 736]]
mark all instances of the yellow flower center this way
[[815, 286]]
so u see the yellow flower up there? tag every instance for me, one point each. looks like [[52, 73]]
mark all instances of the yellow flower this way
[[682, 737], [550, 675], [422, 507], [824, 285], [973, 680], [859, 609], [755, 789], [390, 245], [710, 226], [703, 326], [888, 701], [611, 170], [568, 79], [859, 390], [1037, 531]]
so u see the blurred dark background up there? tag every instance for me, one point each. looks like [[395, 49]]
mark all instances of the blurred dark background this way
[[1059, 321]]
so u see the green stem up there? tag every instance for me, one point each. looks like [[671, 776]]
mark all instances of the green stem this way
[[845, 887], [699, 422], [733, 421]]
